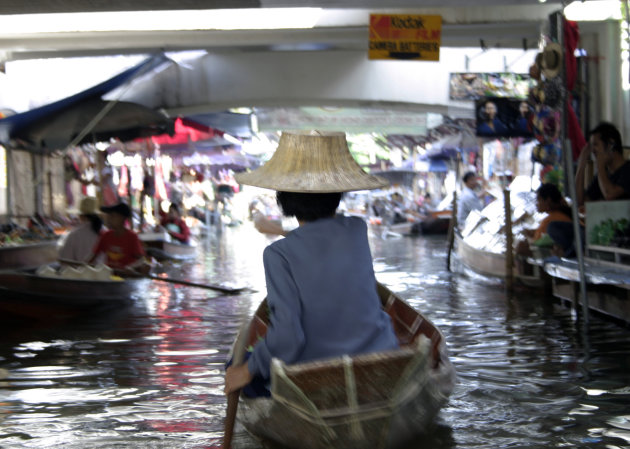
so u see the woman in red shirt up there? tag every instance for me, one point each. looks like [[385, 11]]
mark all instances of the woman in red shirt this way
[[175, 225]]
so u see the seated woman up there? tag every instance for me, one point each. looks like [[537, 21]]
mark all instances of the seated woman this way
[[321, 287], [175, 225], [78, 244], [548, 200]]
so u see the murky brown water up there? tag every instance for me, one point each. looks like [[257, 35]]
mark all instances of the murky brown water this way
[[150, 374]]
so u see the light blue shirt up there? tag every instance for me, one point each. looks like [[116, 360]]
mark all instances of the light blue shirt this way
[[321, 292], [467, 201]]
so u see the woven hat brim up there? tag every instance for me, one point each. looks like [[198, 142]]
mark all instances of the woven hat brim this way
[[552, 72], [313, 183], [312, 162]]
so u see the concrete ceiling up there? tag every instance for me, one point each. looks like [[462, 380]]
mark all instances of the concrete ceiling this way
[[343, 26], [56, 6]]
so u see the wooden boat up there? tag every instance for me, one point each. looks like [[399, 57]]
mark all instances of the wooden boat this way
[[159, 246], [377, 400], [492, 265], [606, 268], [480, 247], [28, 255], [27, 287], [607, 286], [437, 222]]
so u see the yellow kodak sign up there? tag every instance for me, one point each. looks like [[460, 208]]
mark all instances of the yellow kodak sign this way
[[405, 37]]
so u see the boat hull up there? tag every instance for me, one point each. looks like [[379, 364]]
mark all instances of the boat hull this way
[[492, 265], [163, 250], [377, 400], [29, 287], [29, 255]]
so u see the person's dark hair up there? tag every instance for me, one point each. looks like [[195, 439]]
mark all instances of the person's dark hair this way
[[609, 134], [96, 223], [308, 206], [175, 207], [468, 175], [548, 191]]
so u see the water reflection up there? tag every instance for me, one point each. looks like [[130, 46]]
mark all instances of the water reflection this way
[[150, 374]]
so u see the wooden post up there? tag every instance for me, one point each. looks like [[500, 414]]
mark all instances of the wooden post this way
[[452, 228], [100, 165], [51, 208], [509, 256]]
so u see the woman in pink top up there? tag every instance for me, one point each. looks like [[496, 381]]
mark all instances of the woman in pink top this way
[[548, 200]]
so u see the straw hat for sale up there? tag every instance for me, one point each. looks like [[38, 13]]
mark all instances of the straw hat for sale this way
[[551, 60], [313, 162], [88, 206]]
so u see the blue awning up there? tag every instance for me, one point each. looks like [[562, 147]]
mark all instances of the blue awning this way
[[432, 165], [73, 113]]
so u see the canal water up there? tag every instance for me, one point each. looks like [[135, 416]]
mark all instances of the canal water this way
[[150, 374]]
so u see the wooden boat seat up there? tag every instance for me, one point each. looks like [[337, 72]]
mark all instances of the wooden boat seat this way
[[334, 385]]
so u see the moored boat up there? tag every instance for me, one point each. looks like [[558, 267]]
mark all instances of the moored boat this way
[[480, 247], [376, 400], [161, 247], [606, 270], [436, 222]]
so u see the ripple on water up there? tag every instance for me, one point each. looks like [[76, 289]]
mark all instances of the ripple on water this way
[[151, 375]]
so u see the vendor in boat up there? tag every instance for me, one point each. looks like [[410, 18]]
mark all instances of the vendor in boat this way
[[321, 288], [79, 242], [469, 199], [121, 246], [175, 225], [549, 200]]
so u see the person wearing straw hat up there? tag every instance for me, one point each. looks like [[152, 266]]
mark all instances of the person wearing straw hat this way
[[78, 244], [321, 287]]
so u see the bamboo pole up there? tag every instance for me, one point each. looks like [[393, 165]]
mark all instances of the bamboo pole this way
[[509, 255], [567, 160], [452, 228]]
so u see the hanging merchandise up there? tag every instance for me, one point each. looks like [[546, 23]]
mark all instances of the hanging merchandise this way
[[574, 130], [160, 186], [545, 99], [123, 184]]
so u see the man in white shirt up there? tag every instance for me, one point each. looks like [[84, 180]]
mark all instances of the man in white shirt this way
[[469, 200]]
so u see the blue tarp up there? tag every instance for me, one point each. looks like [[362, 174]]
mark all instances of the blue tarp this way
[[21, 126]]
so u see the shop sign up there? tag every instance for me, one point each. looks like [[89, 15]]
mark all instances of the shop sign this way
[[405, 37]]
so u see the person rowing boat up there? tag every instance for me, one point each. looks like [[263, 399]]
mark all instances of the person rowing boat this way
[[121, 246], [321, 273]]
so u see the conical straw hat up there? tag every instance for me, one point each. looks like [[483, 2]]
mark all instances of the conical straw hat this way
[[312, 161], [552, 60]]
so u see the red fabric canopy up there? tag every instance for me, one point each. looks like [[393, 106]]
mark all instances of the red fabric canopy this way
[[186, 131]]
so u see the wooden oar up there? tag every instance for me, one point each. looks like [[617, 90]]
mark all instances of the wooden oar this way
[[232, 401], [221, 288]]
